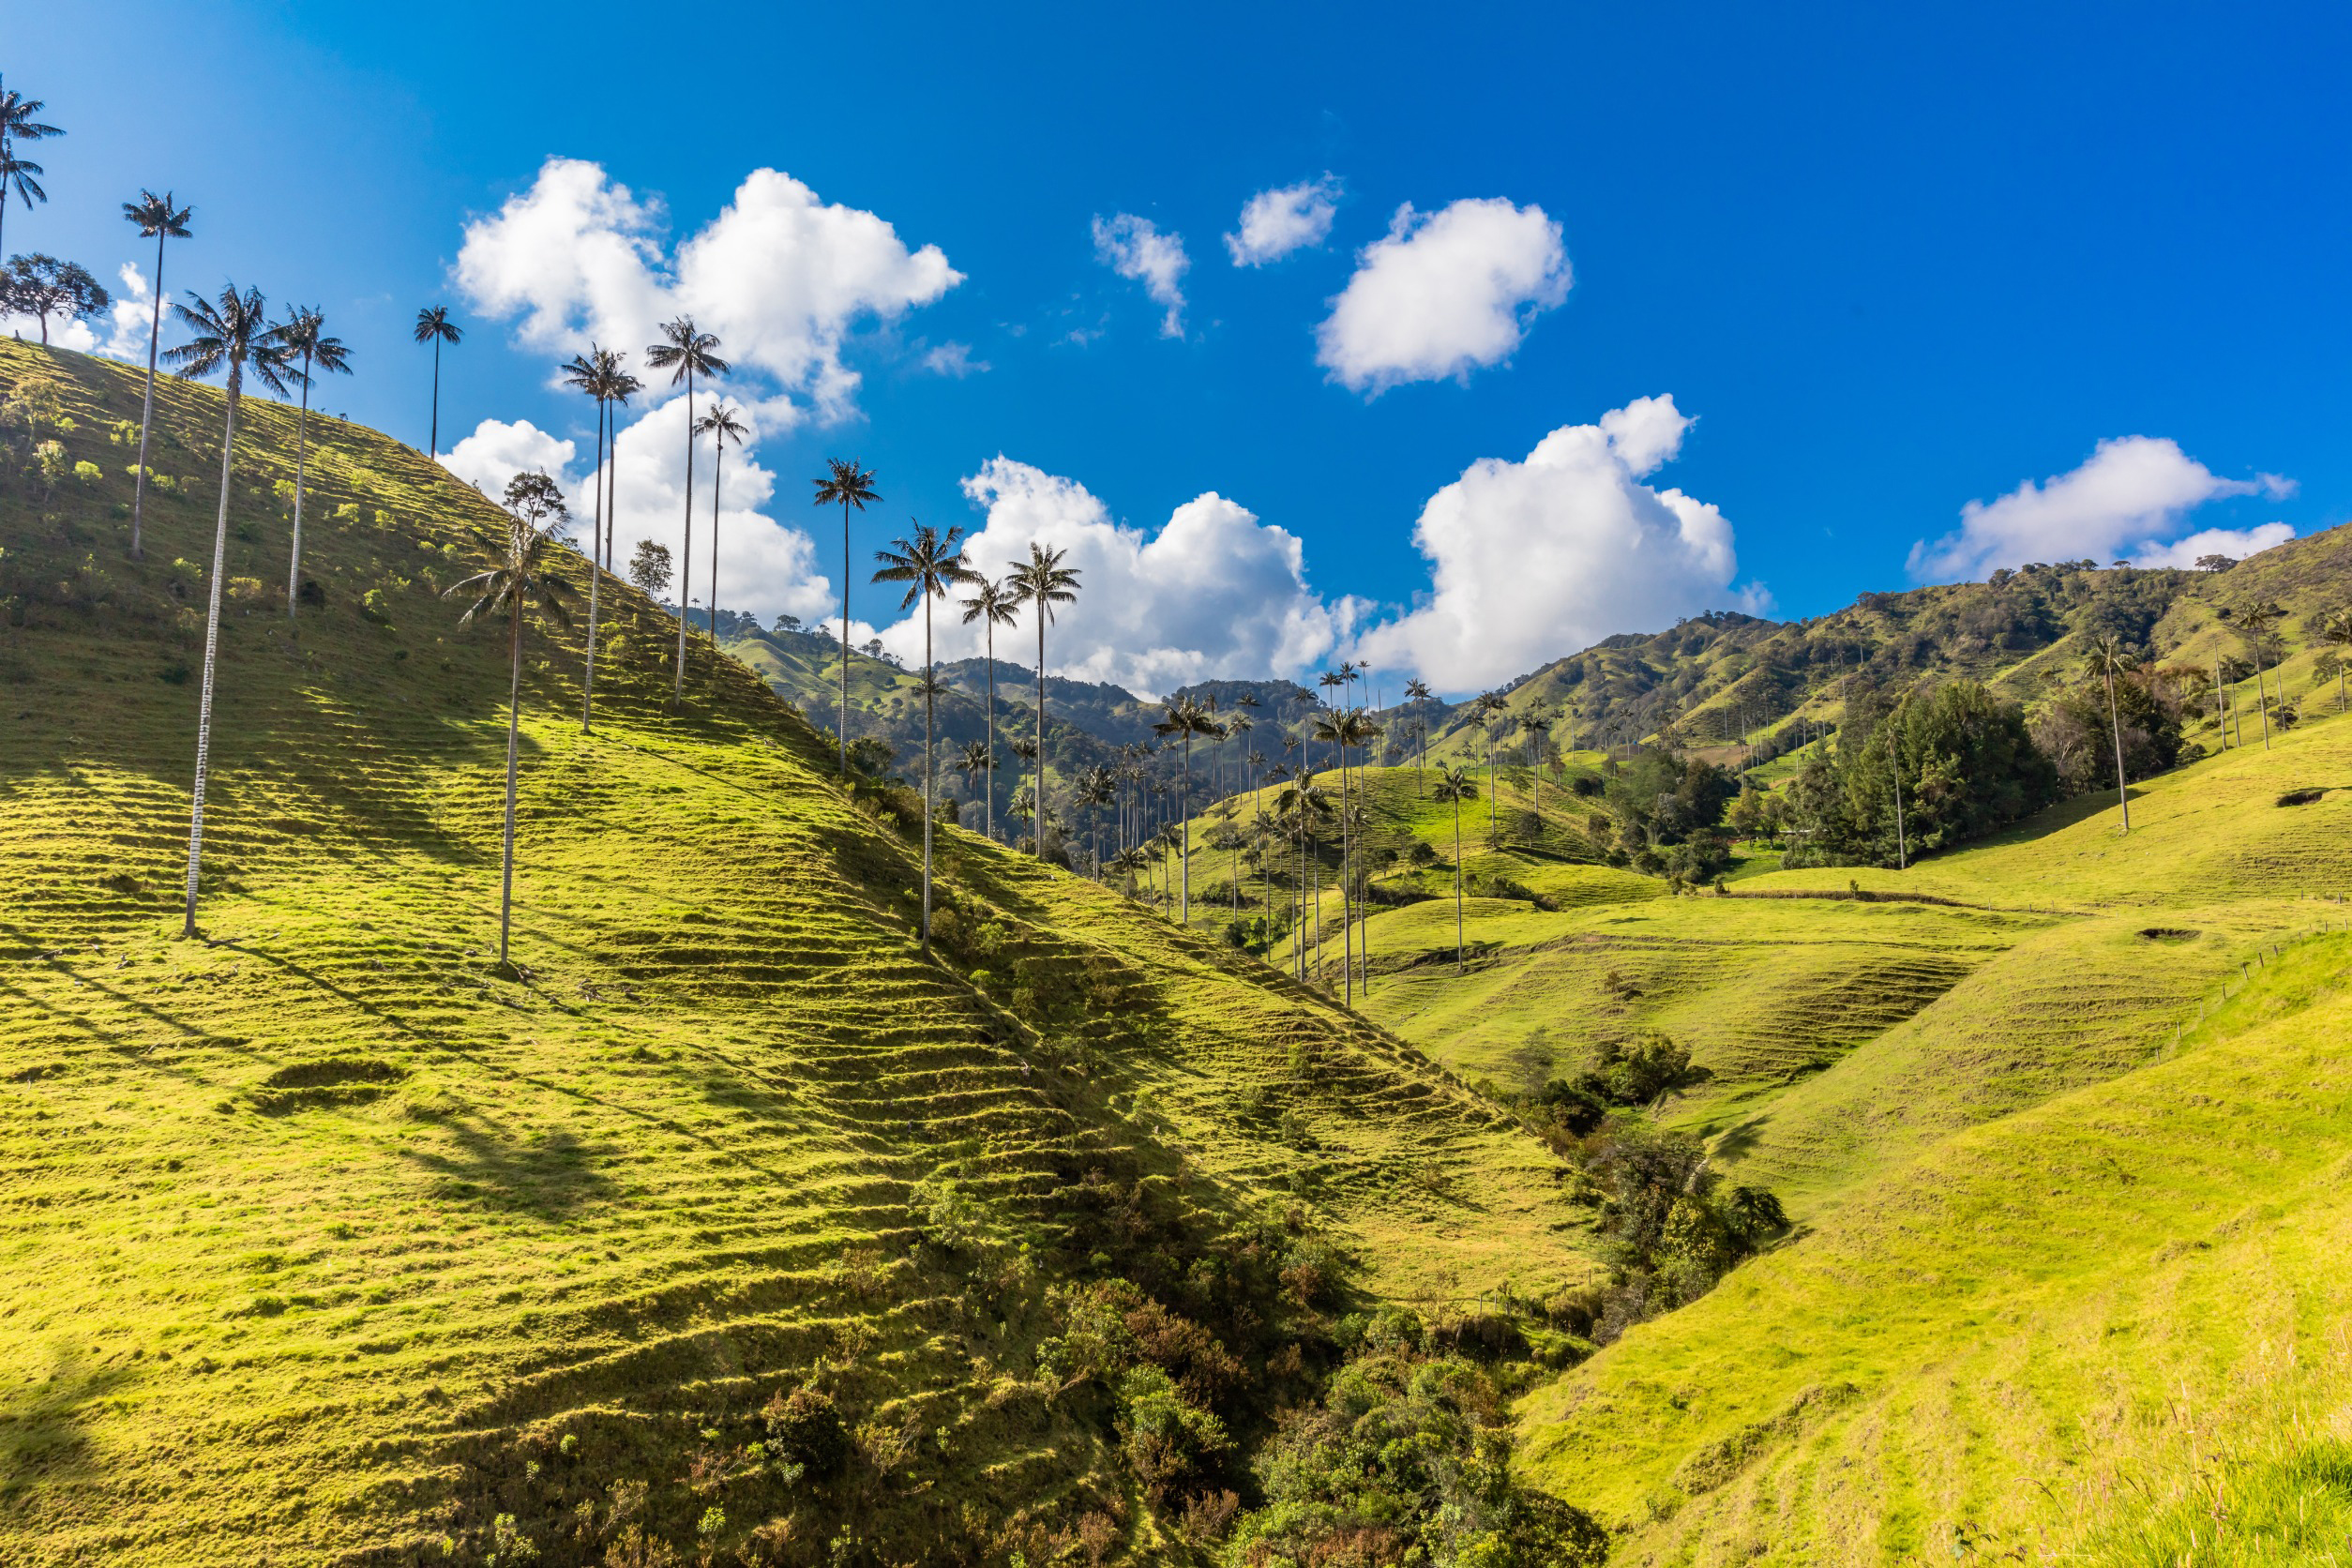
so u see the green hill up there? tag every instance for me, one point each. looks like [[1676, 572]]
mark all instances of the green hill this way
[[326, 1243]]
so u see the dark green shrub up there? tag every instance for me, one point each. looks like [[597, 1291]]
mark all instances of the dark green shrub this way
[[808, 1428]]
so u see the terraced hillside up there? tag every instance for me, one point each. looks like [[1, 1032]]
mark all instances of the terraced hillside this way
[[327, 1242]]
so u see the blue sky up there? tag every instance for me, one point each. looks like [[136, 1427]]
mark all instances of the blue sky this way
[[1833, 274]]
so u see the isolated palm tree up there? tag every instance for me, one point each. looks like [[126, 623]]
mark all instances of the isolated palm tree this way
[[929, 564], [522, 576], [2256, 624], [1418, 692], [17, 126], [434, 326], [1042, 582], [976, 763], [847, 485], [2336, 631], [685, 351], [1453, 787], [302, 333], [1184, 718], [992, 605], [722, 427], [2109, 658], [156, 215], [232, 334]]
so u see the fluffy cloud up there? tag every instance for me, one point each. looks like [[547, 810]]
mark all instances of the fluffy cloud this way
[[1134, 248], [1532, 560], [778, 276], [2236, 543], [497, 451], [954, 360], [2131, 493], [123, 323], [1214, 592], [1277, 222], [1443, 294]]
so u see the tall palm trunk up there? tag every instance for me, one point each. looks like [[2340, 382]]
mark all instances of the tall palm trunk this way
[[719, 461], [146, 417], [2115, 725], [2220, 706], [1185, 810], [1041, 729], [302, 452], [212, 651], [686, 557], [514, 722], [432, 442], [1458, 884], [930, 684], [2262, 696], [595, 576], [989, 812], [844, 726], [1347, 925]]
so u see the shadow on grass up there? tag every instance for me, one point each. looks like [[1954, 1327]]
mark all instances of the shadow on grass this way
[[44, 1419], [552, 1177]]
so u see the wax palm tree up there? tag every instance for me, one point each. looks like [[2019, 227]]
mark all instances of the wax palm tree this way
[[1418, 692], [2336, 631], [1299, 809], [598, 374], [722, 427], [992, 605], [2109, 658], [929, 564], [1490, 703], [156, 215], [434, 326], [523, 576], [1097, 787], [1042, 582], [302, 333], [1343, 729], [231, 335], [1535, 727], [1023, 804], [976, 761], [2256, 624], [686, 350], [846, 485], [17, 174], [1453, 787], [1184, 718]]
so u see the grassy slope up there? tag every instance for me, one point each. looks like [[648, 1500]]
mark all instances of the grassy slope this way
[[319, 1235]]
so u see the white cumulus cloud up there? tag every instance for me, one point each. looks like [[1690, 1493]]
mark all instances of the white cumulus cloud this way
[[2129, 494], [497, 451], [1442, 294], [2236, 543], [779, 276], [1134, 248], [1213, 592], [1530, 560], [1277, 222]]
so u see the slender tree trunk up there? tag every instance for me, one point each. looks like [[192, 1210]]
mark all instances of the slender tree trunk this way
[[1185, 829], [844, 726], [930, 680], [686, 558], [302, 452], [1458, 884], [1041, 729], [2220, 706], [432, 442], [595, 578], [990, 812], [212, 651], [1346, 924], [719, 461], [146, 417], [2262, 696], [2115, 725], [514, 721]]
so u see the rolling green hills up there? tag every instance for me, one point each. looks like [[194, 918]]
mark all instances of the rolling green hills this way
[[325, 1241]]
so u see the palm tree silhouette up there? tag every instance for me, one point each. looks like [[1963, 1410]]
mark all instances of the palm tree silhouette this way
[[434, 326], [16, 174], [1185, 719], [1418, 692], [229, 334], [598, 374], [928, 563], [156, 215], [722, 427], [685, 351], [534, 511], [992, 605], [303, 332], [1455, 786], [1043, 581], [850, 486]]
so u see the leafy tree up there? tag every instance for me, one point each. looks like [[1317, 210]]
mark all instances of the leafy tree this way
[[44, 286], [929, 564], [722, 427], [1963, 759], [1043, 581], [1184, 718], [846, 485], [685, 351], [1453, 787], [650, 568], [434, 326], [522, 576], [303, 332], [17, 126], [232, 334], [153, 214], [993, 605]]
